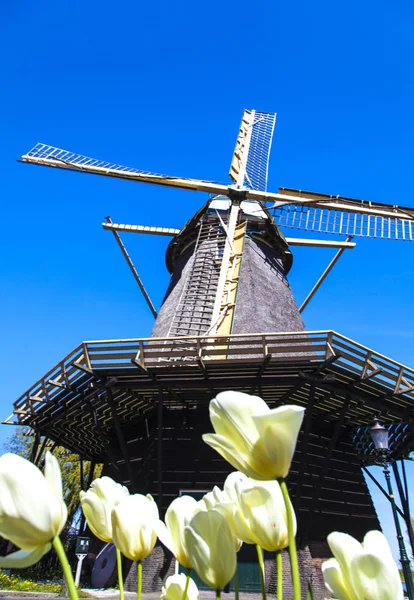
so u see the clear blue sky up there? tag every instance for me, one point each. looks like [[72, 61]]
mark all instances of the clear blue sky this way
[[162, 86]]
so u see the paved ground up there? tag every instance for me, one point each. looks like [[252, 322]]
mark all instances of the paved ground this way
[[114, 595]]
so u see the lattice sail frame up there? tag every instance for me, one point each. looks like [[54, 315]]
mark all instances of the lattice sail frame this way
[[72, 159], [330, 221], [257, 166], [250, 164]]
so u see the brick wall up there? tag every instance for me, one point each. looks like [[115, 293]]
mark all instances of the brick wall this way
[[161, 564]]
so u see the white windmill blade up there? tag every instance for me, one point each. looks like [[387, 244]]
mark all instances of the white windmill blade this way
[[250, 163], [50, 156], [337, 215]]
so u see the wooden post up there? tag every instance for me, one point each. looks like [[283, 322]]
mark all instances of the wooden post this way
[[35, 446], [121, 438], [304, 446], [159, 447]]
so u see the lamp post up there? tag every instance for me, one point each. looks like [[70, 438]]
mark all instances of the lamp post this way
[[379, 436]]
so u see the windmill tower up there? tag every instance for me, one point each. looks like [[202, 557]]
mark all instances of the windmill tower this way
[[229, 321]]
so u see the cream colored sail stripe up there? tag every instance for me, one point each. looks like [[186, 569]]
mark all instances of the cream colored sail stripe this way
[[232, 281]]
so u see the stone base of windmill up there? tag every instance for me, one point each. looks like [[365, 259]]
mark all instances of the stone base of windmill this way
[[161, 564]]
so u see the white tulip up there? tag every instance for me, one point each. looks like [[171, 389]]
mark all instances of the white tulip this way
[[214, 500], [32, 510], [174, 588], [209, 500], [211, 548], [97, 504], [134, 523], [256, 440], [364, 571], [178, 516], [257, 512]]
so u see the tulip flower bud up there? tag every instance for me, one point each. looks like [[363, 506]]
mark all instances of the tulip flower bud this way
[[211, 548], [219, 500], [256, 440], [263, 511], [178, 516], [364, 571], [32, 510], [134, 523], [174, 588], [209, 500], [256, 513], [97, 504]]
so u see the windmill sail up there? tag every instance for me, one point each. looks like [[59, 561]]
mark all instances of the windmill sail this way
[[361, 223], [250, 163]]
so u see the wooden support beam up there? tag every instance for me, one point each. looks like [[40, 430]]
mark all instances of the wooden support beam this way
[[167, 231], [325, 468], [323, 276], [35, 446], [39, 454], [159, 448], [304, 446], [81, 472], [260, 372], [83, 368], [133, 270], [319, 243], [104, 437], [121, 438], [88, 485]]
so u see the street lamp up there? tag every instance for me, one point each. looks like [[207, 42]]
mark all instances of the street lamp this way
[[379, 436]]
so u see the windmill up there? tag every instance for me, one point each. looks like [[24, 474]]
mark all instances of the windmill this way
[[229, 321]]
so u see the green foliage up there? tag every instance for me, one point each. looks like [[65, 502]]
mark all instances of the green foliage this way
[[11, 582]]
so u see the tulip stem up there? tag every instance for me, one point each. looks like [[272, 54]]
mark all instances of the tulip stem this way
[[187, 583], [120, 578], [294, 567], [139, 569], [279, 569], [236, 583], [261, 566], [67, 571], [218, 594]]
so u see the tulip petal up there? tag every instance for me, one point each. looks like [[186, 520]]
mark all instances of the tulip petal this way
[[376, 543], [211, 548], [344, 548], [233, 455], [174, 588], [165, 536], [23, 558], [52, 475], [231, 415], [98, 516], [278, 430], [376, 578], [236, 522], [134, 521], [334, 580], [264, 511], [30, 513], [178, 516], [235, 482]]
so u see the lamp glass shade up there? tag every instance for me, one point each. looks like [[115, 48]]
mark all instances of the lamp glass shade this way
[[379, 435]]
